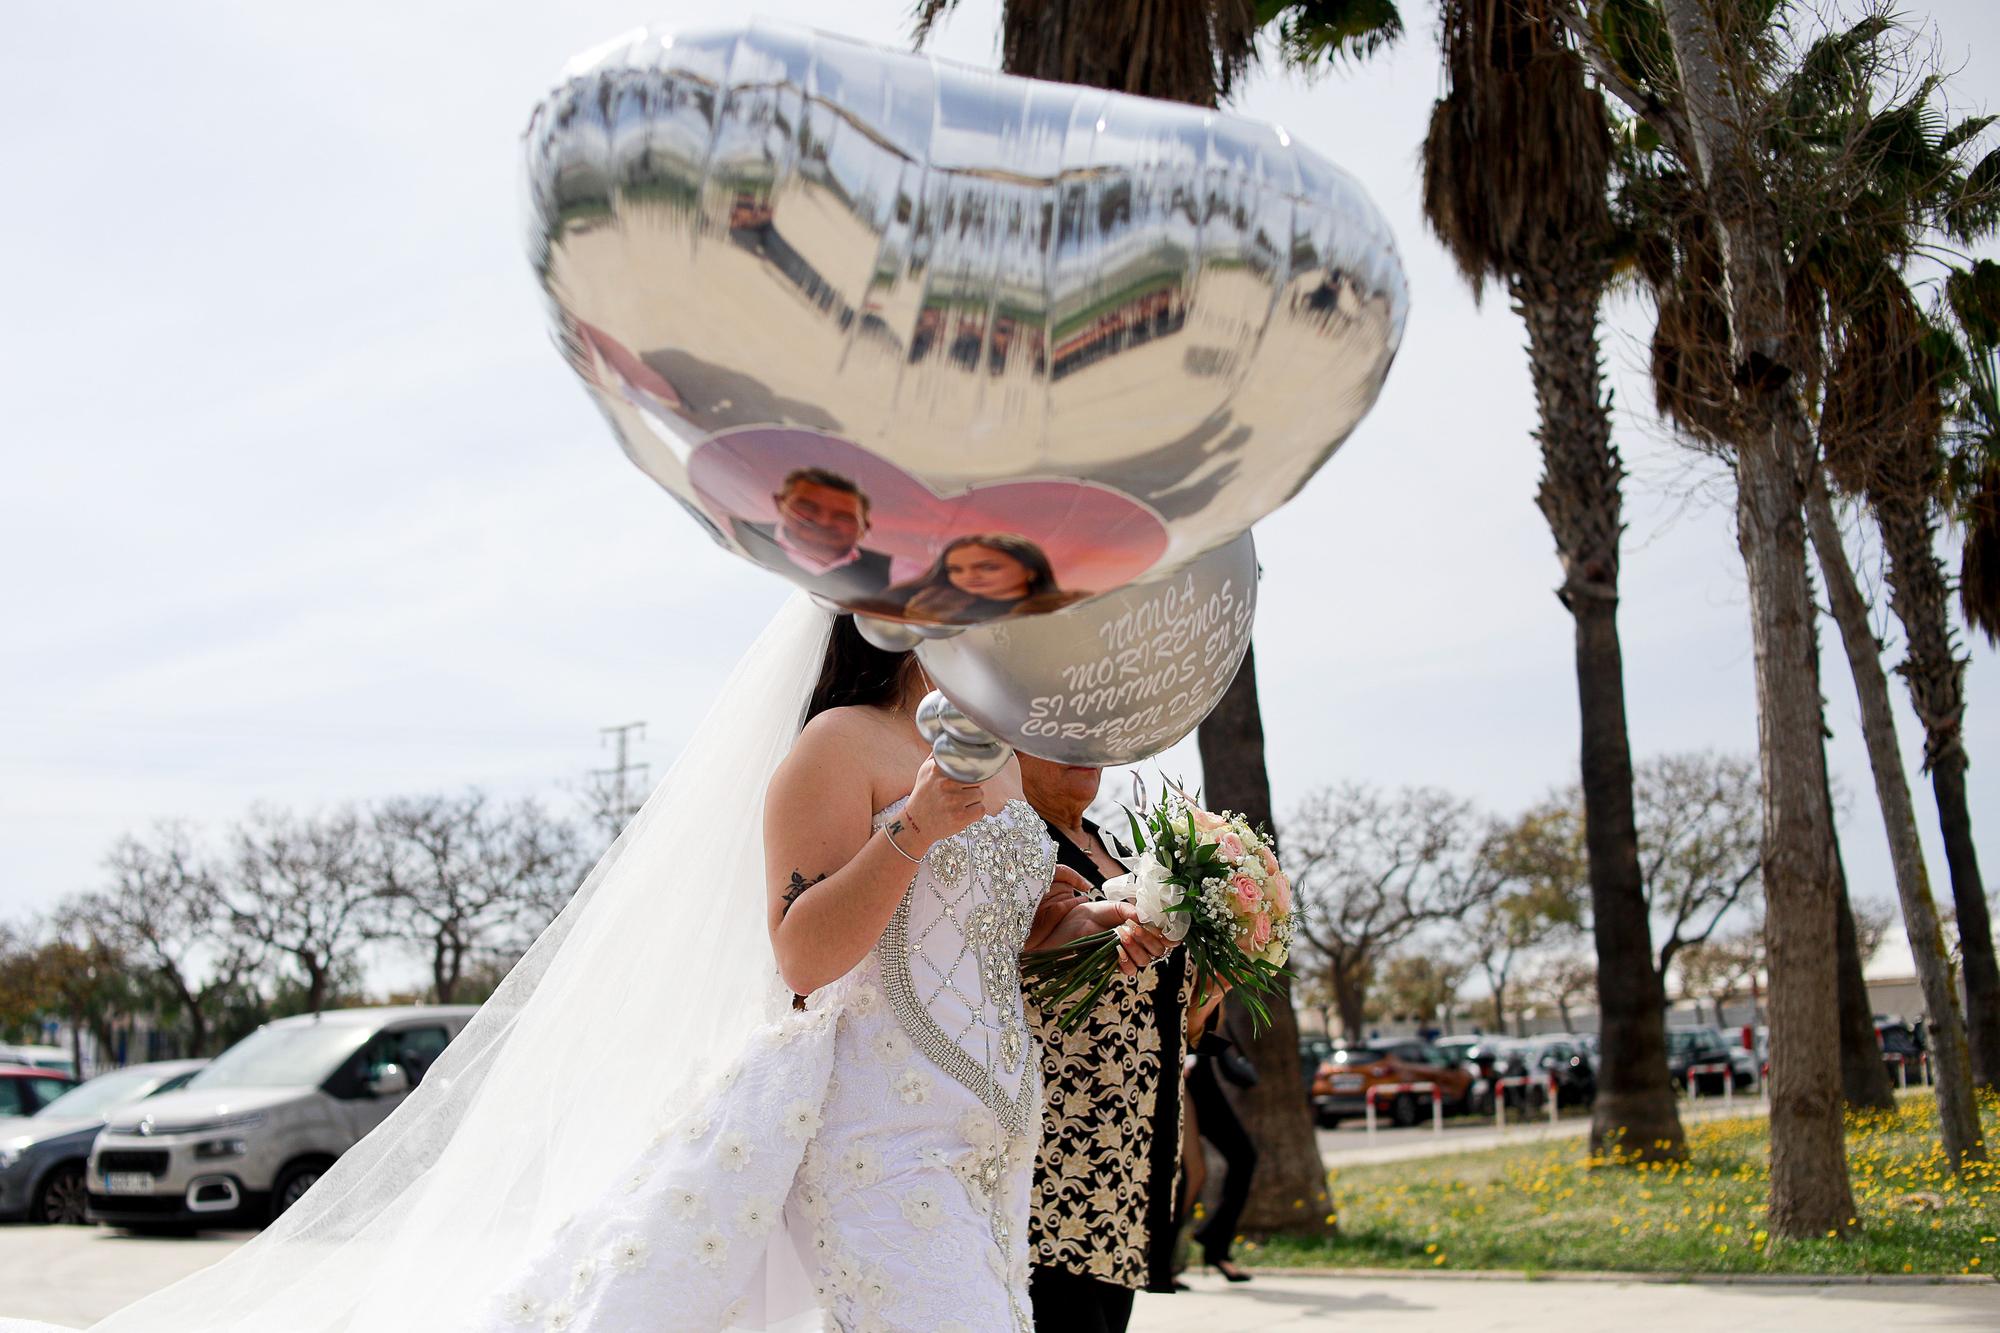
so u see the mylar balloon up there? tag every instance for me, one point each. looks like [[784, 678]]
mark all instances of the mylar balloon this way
[[942, 345], [1115, 679]]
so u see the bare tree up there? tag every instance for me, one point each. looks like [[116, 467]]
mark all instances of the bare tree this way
[[466, 881], [1700, 843], [1714, 969], [162, 909], [1373, 868], [1422, 983], [301, 887], [1560, 977]]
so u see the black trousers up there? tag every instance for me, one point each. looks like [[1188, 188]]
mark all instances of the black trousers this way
[[1067, 1302], [1220, 1127]]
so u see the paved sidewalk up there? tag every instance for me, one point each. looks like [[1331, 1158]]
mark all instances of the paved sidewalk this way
[[1394, 1304], [73, 1276]]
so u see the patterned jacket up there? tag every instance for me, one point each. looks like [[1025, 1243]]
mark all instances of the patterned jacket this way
[[1109, 1163]]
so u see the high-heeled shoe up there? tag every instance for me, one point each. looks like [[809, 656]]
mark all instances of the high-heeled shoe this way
[[1229, 1271]]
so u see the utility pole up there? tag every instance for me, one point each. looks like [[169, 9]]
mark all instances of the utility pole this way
[[614, 797]]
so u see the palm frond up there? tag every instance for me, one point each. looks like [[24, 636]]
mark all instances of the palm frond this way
[[1312, 35]]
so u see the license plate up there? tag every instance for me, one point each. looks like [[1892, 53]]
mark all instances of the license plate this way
[[1347, 1085], [127, 1182]]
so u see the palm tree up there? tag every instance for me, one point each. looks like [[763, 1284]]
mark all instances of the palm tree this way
[[1193, 51], [1697, 77], [1515, 169], [1971, 331], [1882, 435], [1881, 431], [1847, 200], [1516, 166]]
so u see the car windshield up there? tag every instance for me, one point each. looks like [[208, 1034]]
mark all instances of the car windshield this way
[[100, 1094], [1354, 1055], [284, 1057], [1683, 1039]]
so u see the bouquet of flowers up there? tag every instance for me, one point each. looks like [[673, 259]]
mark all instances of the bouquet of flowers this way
[[1208, 881]]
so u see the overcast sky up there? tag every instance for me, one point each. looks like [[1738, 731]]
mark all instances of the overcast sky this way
[[302, 507]]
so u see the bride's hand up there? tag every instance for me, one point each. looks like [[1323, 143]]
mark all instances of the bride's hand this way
[[939, 807]]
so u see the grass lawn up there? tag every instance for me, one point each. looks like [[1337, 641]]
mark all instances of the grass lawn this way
[[1551, 1206]]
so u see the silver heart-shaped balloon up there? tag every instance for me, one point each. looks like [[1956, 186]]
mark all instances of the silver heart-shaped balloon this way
[[1116, 679], [864, 313]]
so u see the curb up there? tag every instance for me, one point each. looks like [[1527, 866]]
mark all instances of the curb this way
[[1653, 1279]]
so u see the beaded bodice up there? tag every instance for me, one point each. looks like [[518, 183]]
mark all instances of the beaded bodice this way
[[951, 957]]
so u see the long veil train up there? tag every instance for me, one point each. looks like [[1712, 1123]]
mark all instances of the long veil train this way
[[656, 973]]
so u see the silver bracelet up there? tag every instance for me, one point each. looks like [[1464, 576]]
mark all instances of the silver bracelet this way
[[913, 860]]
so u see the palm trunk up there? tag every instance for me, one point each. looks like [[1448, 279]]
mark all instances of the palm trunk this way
[[1864, 1078], [1975, 925], [1580, 496], [1275, 1112], [1810, 1191], [1958, 1120], [1935, 674], [1172, 54]]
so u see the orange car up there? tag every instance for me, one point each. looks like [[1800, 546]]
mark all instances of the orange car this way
[[1340, 1088]]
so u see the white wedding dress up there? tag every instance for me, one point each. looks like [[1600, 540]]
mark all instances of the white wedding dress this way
[[883, 1137], [638, 1130]]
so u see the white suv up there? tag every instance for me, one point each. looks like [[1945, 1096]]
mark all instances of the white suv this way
[[253, 1130]]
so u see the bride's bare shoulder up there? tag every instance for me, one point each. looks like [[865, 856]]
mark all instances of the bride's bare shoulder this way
[[849, 738]]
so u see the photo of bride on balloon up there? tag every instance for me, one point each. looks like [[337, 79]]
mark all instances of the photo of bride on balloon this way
[[862, 533]]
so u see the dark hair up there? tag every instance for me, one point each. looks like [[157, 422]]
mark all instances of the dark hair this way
[[856, 673], [832, 481], [1041, 577]]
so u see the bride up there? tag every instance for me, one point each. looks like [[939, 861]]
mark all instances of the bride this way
[[768, 1070]]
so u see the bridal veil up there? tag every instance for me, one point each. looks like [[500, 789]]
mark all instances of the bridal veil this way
[[653, 977]]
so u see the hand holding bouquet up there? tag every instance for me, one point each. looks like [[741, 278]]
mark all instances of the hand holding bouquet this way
[[1208, 881]]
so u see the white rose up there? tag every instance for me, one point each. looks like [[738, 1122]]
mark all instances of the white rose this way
[[1149, 889]]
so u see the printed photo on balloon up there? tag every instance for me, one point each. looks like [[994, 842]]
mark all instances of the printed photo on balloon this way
[[859, 531]]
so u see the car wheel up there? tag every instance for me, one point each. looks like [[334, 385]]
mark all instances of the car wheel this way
[[292, 1184], [61, 1199], [1404, 1110], [1326, 1120]]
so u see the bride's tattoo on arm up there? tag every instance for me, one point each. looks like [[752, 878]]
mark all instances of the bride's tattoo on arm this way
[[798, 887]]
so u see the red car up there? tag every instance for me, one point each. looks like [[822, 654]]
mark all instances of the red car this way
[[25, 1090]]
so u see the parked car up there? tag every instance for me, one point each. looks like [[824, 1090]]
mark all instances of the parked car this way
[[40, 1057], [1562, 1057], [25, 1090], [249, 1134], [1340, 1088], [1487, 1057], [1690, 1046], [43, 1156], [1902, 1049], [1312, 1051]]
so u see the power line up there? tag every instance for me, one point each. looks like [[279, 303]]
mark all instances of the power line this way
[[614, 792]]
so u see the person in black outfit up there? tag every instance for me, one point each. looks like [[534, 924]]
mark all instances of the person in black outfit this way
[[1218, 1124], [1103, 1225]]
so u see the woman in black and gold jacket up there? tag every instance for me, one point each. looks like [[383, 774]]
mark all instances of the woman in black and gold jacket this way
[[1104, 1218]]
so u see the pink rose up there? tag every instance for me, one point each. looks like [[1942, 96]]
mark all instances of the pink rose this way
[[1260, 930], [1205, 821], [1268, 861], [1231, 846], [1246, 891], [1281, 893]]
